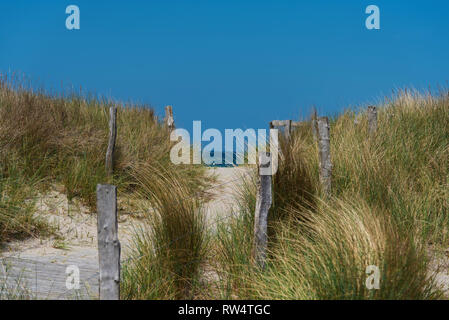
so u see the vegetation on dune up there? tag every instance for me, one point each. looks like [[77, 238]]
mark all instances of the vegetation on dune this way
[[390, 203], [170, 252], [17, 220], [63, 139]]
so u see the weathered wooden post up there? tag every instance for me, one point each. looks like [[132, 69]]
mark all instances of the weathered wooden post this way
[[169, 120], [111, 142], [324, 155], [372, 120], [108, 243], [288, 129], [314, 125], [287, 124], [263, 204]]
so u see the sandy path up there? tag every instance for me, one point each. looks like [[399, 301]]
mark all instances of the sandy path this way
[[223, 203], [41, 264]]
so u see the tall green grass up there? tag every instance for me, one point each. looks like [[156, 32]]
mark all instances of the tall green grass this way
[[170, 252], [389, 205]]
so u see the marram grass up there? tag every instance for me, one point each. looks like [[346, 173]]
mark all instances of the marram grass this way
[[389, 206]]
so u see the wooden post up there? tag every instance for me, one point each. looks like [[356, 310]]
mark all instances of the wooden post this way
[[314, 125], [169, 120], [372, 120], [287, 124], [108, 243], [324, 155], [111, 143], [263, 204], [288, 129]]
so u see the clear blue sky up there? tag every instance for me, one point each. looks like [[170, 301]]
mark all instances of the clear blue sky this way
[[231, 64]]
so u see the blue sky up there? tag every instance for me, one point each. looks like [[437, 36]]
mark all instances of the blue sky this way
[[230, 64]]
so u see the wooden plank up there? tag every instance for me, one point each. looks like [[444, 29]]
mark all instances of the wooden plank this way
[[324, 155], [263, 204], [372, 120], [108, 243], [278, 123], [41, 279], [282, 123], [298, 124], [111, 141]]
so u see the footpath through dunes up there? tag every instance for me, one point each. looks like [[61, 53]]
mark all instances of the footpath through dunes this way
[[39, 268], [223, 193]]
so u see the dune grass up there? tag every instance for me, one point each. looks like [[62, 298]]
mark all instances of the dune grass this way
[[17, 220], [48, 140], [54, 139], [389, 205], [171, 250]]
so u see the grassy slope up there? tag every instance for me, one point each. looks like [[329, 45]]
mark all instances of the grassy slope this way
[[46, 140], [390, 204]]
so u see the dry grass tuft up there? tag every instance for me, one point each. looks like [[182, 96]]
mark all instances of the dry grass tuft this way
[[170, 253]]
